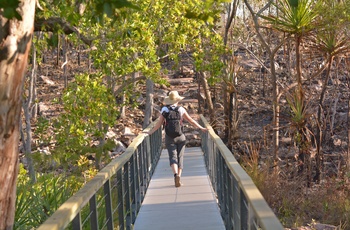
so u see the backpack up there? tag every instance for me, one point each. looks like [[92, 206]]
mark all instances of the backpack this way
[[173, 126]]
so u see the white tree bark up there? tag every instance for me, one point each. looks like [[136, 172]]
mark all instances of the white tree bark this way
[[15, 41], [149, 103]]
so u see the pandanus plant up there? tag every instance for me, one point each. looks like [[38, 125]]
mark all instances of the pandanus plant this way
[[332, 40], [298, 19], [299, 116]]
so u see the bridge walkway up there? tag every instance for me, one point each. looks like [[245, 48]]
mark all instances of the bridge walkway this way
[[191, 206]]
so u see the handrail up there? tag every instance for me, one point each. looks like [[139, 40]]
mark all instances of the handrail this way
[[97, 203], [241, 204]]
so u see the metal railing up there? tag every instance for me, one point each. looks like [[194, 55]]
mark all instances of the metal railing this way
[[112, 199], [241, 204]]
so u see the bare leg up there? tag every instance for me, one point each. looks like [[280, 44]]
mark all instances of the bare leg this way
[[179, 172], [175, 169]]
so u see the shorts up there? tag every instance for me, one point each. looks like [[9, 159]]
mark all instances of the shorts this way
[[176, 149]]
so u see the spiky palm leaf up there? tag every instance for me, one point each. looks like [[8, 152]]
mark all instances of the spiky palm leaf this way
[[294, 16]]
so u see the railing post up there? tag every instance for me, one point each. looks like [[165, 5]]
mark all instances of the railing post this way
[[226, 201], [142, 172], [219, 175], [237, 206], [138, 194], [147, 163], [127, 195], [133, 192], [76, 223], [120, 189], [244, 212], [93, 211], [108, 202], [230, 201]]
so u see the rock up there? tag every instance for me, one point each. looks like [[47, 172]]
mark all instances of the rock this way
[[337, 141], [218, 106], [47, 80], [118, 149], [192, 136], [43, 109], [318, 226], [315, 226], [127, 132], [111, 134]]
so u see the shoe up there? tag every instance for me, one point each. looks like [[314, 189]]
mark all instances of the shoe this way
[[177, 181]]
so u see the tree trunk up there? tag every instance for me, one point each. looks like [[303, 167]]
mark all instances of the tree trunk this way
[[348, 153], [65, 60], [208, 98], [276, 111], [298, 65], [275, 104], [149, 103], [233, 118], [34, 110], [15, 41], [319, 134], [122, 108], [231, 14], [27, 110]]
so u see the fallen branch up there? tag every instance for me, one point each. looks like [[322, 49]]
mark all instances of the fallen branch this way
[[50, 25]]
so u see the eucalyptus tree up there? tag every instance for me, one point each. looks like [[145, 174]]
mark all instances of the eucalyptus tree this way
[[16, 29], [134, 33], [208, 48], [189, 27], [179, 26]]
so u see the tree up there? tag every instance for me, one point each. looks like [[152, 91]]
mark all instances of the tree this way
[[16, 30], [331, 40], [297, 18], [229, 91], [271, 52]]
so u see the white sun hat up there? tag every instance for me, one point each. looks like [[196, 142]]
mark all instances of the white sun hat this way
[[172, 98]]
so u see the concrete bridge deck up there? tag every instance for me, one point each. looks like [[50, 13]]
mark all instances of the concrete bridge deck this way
[[190, 207]]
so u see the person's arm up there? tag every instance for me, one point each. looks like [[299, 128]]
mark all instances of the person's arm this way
[[157, 125], [188, 118]]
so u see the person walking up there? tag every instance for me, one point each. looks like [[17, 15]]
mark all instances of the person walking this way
[[172, 116]]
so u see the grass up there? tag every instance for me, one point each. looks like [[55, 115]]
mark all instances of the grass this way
[[294, 204], [36, 202]]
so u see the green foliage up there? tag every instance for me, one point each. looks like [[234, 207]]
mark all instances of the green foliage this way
[[297, 110], [36, 202], [299, 116], [42, 131], [131, 39], [10, 9], [208, 11], [110, 6], [90, 109], [332, 36], [295, 17]]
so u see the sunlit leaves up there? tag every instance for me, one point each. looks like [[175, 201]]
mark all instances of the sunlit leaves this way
[[111, 8], [9, 9], [295, 16], [35, 202], [90, 107]]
